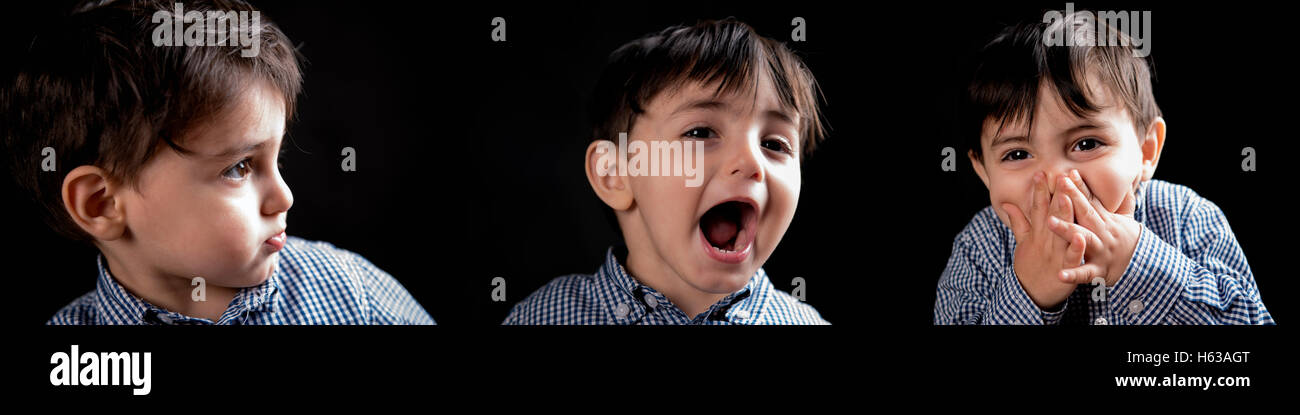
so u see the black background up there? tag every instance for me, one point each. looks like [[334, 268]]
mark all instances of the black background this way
[[469, 151]]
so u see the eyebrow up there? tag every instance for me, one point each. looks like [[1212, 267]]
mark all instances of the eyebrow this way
[[705, 104], [240, 149], [1023, 139]]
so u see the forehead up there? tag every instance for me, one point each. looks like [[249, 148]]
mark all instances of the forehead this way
[[1052, 116], [752, 96], [257, 114]]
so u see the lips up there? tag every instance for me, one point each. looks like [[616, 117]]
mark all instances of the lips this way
[[276, 242], [727, 230]]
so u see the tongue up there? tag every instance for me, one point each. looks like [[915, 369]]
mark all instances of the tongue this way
[[720, 231]]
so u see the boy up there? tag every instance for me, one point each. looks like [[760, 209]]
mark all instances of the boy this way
[[166, 161], [694, 245], [1078, 231]]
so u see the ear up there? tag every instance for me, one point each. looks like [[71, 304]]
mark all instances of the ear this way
[[978, 166], [601, 164], [92, 199], [1152, 146]]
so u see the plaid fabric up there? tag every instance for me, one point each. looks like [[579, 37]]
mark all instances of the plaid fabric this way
[[612, 296], [1187, 268], [313, 283]]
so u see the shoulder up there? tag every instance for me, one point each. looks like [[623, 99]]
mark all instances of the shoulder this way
[[312, 263], [985, 237], [1170, 209], [1160, 198], [319, 272], [79, 311], [570, 299], [984, 225], [779, 307]]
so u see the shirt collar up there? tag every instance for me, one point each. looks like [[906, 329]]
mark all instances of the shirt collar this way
[[621, 289], [115, 305]]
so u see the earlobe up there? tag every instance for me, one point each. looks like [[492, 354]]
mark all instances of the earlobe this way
[[1152, 146], [90, 197], [601, 165], [978, 167]]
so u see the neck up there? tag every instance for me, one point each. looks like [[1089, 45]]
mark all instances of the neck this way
[[650, 270], [173, 293]]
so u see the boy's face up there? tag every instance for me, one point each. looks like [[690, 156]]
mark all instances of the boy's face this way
[[218, 213], [715, 236], [1104, 147]]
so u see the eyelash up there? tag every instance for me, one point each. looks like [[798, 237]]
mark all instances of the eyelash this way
[[247, 162], [1098, 141], [784, 146]]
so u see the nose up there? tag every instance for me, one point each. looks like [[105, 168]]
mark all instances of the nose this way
[[745, 161], [278, 197], [1054, 175]]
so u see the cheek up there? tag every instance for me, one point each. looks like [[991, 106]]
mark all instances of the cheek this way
[[1111, 180], [198, 223], [1013, 189], [783, 186], [665, 202]]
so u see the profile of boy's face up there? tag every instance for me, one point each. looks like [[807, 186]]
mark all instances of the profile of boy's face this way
[[750, 158], [1104, 147], [211, 213]]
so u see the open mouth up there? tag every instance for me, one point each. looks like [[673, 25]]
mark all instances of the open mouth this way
[[728, 230]]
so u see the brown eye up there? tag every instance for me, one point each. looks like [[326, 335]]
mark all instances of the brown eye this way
[[238, 171], [1014, 155], [776, 145], [1087, 144], [699, 132]]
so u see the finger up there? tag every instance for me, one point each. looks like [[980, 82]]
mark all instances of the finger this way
[[1087, 192], [1068, 231], [1061, 208], [1082, 274], [1019, 225], [1038, 210], [1128, 205], [1074, 253], [1078, 182], [1086, 213]]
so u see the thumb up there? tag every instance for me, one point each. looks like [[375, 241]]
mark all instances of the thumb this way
[[1019, 224]]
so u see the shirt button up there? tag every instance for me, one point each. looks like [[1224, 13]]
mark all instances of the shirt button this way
[[740, 314], [651, 301], [621, 310], [1135, 306], [1101, 321]]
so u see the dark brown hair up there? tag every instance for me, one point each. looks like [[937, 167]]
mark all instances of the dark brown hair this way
[[726, 51], [1013, 66], [96, 89]]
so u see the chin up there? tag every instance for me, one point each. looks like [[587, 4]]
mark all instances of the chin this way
[[719, 282], [256, 275]]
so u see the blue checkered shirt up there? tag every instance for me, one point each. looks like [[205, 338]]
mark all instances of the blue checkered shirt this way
[[313, 283], [1187, 269], [612, 296]]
